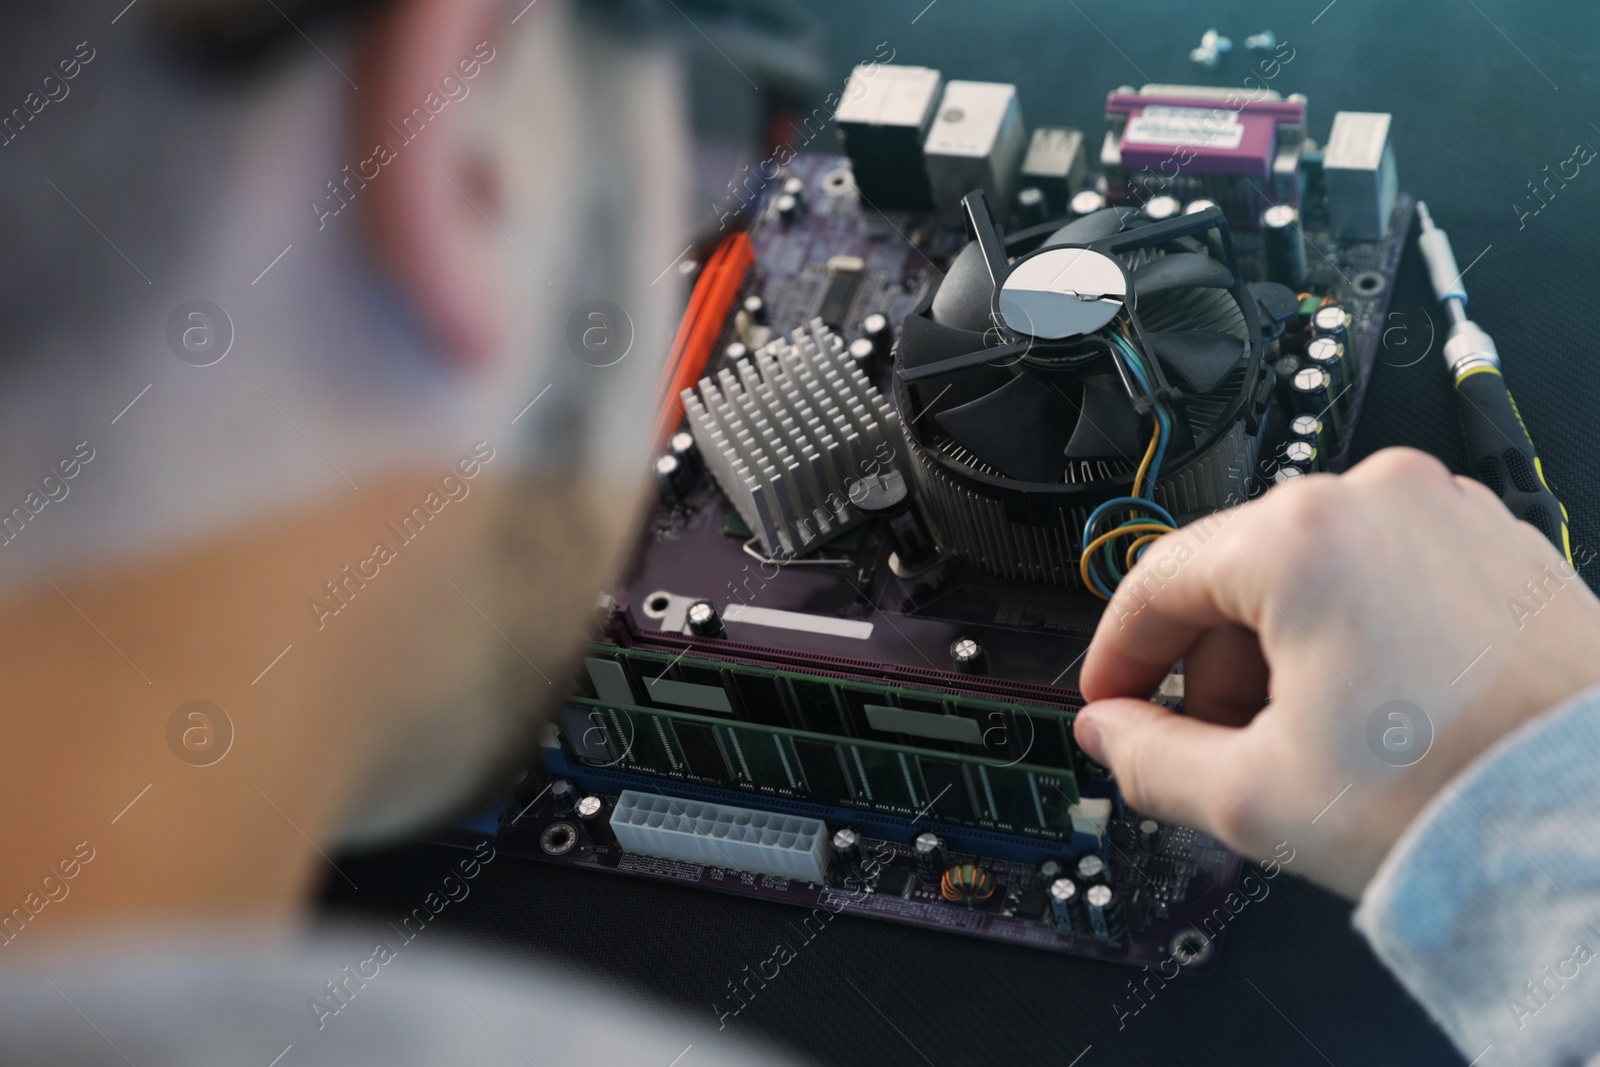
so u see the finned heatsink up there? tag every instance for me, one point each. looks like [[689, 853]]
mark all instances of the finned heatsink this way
[[788, 431]]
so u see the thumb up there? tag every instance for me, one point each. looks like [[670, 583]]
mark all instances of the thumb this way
[[1168, 766]]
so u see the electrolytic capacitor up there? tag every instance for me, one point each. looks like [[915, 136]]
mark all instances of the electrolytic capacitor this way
[[795, 187], [563, 796], [928, 851], [788, 207], [703, 619], [862, 355], [1285, 473], [1283, 373], [847, 851], [682, 445], [1031, 207], [1086, 202], [1105, 912], [1161, 208], [1149, 835], [877, 328], [967, 656], [1332, 320], [1308, 428], [756, 308], [1284, 246], [1092, 868], [1331, 356], [1313, 395], [1194, 207], [596, 820], [672, 478], [1300, 454], [1050, 870], [1066, 906], [736, 353], [886, 496]]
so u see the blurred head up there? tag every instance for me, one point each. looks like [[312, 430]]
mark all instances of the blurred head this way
[[297, 414]]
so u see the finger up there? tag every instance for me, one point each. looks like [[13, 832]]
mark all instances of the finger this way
[[1169, 766], [1183, 585], [1225, 676]]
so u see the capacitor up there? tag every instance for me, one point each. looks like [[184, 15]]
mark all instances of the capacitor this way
[[928, 850], [1332, 320], [1086, 202], [1091, 868], [682, 445], [847, 851], [564, 795], [967, 656], [788, 207], [1283, 372], [736, 353], [1149, 835], [1194, 207], [1050, 870], [703, 619], [1286, 474], [1105, 912], [1032, 210], [877, 328], [1161, 208], [1313, 396], [1284, 246], [862, 356], [1308, 428], [1066, 906], [885, 495], [795, 187], [672, 478], [596, 820], [1300, 454], [756, 308], [1330, 355]]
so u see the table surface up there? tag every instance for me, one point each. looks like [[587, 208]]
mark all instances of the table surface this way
[[1486, 94]]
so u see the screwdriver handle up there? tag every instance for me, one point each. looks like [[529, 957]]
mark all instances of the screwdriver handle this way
[[1500, 454]]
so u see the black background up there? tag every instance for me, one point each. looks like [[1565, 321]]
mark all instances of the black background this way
[[1476, 118]]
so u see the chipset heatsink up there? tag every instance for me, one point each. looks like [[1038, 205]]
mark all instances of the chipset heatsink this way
[[787, 433]]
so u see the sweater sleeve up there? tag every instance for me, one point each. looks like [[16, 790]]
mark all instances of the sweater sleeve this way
[[1488, 907]]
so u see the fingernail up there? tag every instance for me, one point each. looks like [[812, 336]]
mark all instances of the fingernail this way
[[1087, 731]]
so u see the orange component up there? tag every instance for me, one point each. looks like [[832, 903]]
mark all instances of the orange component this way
[[714, 293]]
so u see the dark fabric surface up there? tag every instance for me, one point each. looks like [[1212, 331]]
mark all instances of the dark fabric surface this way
[[1476, 118]]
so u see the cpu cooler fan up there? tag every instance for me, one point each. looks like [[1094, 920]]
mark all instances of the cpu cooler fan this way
[[1032, 378]]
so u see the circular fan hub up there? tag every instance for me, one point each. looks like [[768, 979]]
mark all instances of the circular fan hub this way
[[1058, 293]]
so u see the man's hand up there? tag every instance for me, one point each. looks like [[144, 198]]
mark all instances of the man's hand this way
[[1349, 644]]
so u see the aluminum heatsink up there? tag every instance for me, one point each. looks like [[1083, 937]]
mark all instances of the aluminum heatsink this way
[[787, 433]]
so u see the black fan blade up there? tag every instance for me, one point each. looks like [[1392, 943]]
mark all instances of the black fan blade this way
[[966, 295], [924, 342], [1020, 429], [1108, 427], [1200, 358], [1093, 227], [1185, 270]]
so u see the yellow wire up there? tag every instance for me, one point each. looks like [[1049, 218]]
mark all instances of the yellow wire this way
[[1094, 546], [1133, 549], [1149, 454]]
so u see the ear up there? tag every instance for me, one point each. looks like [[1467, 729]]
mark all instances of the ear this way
[[430, 205]]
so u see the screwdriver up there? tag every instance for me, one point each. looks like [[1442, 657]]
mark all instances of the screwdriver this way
[[1500, 452]]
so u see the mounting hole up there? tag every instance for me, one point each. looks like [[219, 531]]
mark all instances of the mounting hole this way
[[1368, 283], [1190, 947], [838, 182], [558, 838], [656, 605]]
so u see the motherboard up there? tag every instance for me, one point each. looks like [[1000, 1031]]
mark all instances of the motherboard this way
[[840, 671]]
